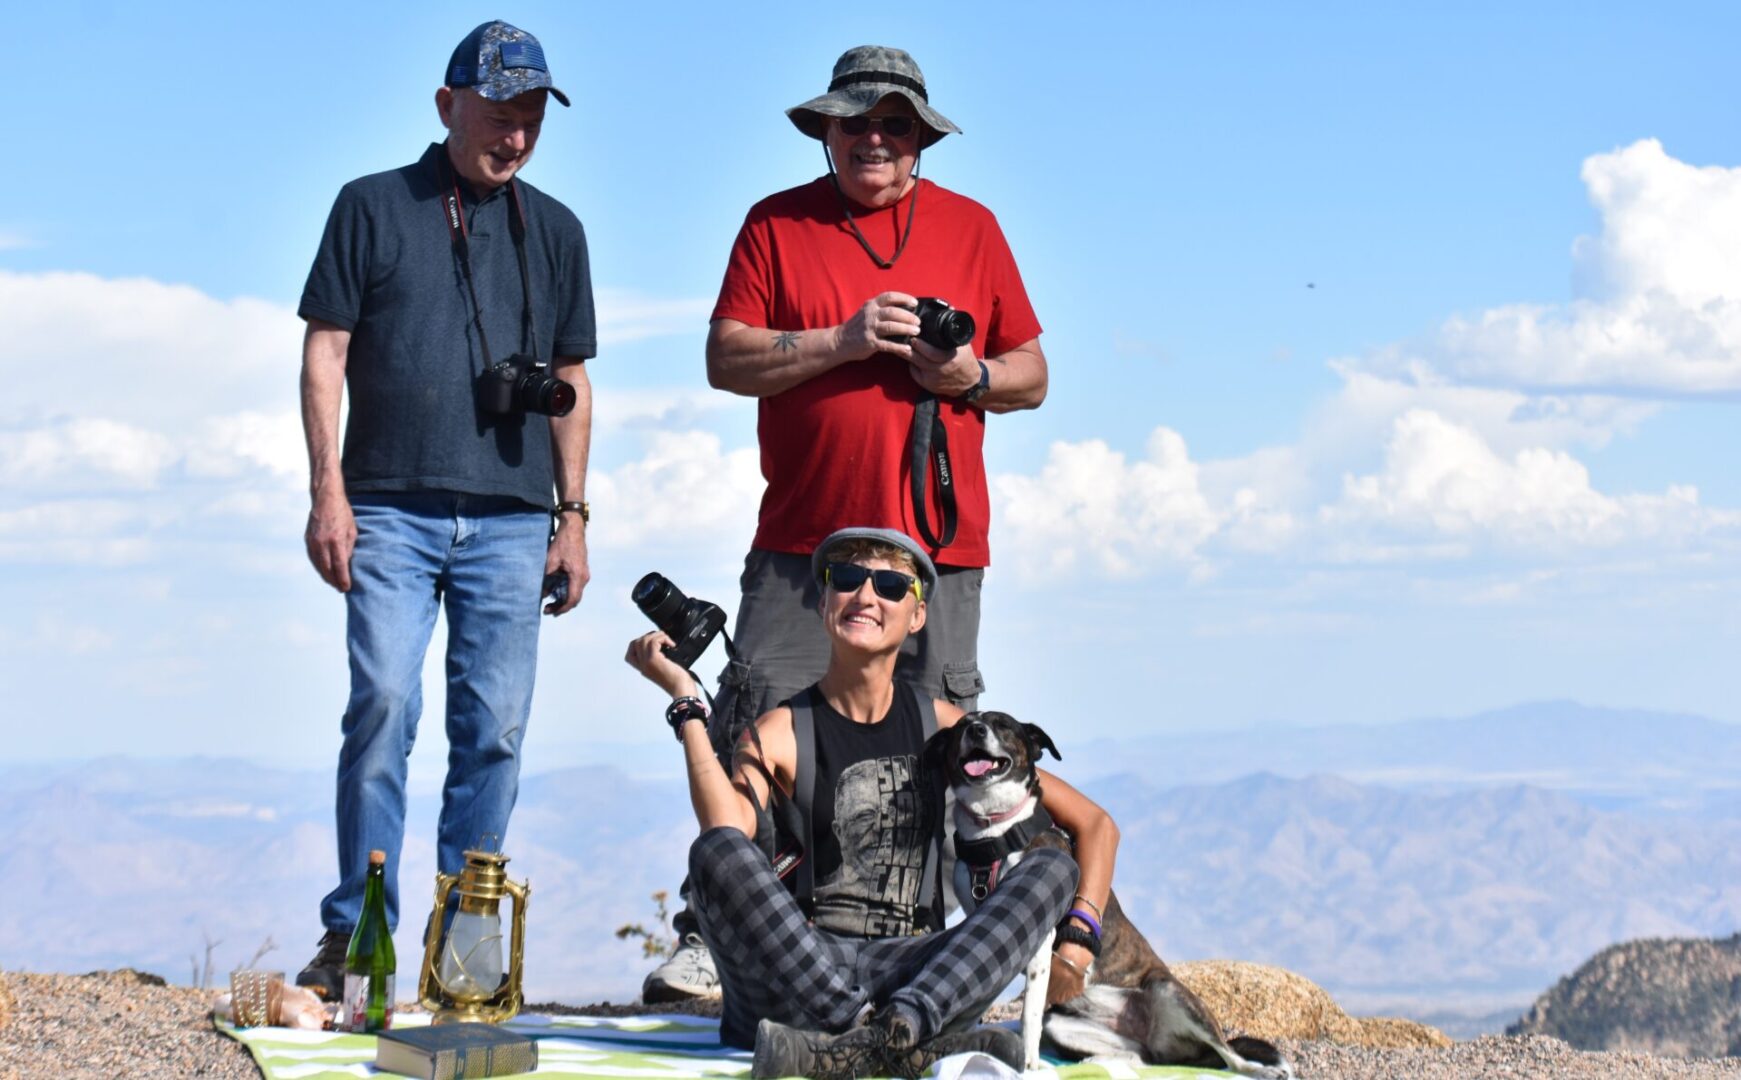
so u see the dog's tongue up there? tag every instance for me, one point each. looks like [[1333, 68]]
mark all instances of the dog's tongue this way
[[978, 767]]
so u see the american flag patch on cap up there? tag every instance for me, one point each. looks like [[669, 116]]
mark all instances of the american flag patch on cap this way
[[523, 54]]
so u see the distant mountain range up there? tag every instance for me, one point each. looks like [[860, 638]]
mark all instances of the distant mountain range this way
[[1632, 759], [1451, 884]]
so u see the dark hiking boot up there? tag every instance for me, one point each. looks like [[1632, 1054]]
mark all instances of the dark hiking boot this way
[[1000, 1043], [789, 1051], [325, 974], [884, 1047]]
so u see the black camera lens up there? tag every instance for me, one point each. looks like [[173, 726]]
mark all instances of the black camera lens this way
[[659, 600], [942, 326], [954, 328], [541, 393]]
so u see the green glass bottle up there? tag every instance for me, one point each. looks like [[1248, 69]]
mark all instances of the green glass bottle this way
[[370, 963]]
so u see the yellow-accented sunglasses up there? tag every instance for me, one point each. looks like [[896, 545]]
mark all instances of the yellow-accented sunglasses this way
[[891, 585]]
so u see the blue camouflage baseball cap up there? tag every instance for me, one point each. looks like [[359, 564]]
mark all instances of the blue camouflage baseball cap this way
[[500, 62]]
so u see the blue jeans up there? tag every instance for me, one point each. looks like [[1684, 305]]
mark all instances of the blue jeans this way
[[484, 557]]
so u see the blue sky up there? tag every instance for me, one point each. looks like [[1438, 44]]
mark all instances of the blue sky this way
[[1395, 352]]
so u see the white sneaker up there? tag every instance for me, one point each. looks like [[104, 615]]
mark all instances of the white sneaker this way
[[689, 973]]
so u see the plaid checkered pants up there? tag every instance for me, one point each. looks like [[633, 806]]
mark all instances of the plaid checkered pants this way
[[774, 964]]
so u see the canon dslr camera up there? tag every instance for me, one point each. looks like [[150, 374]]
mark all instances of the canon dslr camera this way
[[691, 624], [941, 326], [521, 384]]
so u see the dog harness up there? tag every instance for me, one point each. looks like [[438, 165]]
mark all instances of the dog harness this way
[[985, 857]]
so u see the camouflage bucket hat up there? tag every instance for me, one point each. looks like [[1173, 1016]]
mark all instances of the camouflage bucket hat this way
[[501, 62], [864, 76]]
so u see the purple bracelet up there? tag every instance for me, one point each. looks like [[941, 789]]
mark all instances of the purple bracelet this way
[[1093, 923]]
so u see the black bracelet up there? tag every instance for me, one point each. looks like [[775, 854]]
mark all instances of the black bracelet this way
[[1071, 934], [683, 710]]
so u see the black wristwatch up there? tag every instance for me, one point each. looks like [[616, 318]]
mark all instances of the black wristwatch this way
[[683, 710], [977, 390]]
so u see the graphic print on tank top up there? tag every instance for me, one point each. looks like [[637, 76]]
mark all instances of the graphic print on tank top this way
[[882, 825]]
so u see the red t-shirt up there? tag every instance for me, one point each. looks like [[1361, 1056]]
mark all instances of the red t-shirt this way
[[834, 448]]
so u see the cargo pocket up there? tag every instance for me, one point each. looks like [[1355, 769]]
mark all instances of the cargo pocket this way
[[737, 707], [962, 684]]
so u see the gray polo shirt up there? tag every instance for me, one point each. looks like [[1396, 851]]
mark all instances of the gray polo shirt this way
[[387, 272]]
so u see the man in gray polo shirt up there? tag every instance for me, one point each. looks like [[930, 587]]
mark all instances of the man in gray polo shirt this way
[[455, 304]]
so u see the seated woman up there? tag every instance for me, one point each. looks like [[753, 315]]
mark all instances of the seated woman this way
[[811, 942]]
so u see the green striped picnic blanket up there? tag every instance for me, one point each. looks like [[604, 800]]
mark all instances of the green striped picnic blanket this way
[[653, 1047]]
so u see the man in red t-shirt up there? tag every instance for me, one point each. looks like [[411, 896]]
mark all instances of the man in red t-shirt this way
[[860, 420]]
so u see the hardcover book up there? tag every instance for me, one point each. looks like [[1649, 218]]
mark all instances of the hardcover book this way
[[452, 1051]]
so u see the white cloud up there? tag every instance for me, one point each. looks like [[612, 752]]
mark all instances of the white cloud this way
[[625, 315], [1088, 504], [676, 408], [1442, 480], [269, 441], [1439, 491], [140, 351], [81, 531], [119, 452], [1660, 313], [686, 491]]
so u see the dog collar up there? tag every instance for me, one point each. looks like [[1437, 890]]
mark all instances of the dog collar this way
[[994, 849], [999, 819]]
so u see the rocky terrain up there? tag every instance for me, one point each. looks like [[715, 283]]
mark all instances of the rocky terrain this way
[[125, 1023], [1678, 997]]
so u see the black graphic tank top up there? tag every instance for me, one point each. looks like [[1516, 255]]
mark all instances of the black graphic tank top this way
[[871, 835]]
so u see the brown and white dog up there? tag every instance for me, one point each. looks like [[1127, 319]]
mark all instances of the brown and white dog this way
[[1131, 1006]]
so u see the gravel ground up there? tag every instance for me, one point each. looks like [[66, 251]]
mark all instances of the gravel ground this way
[[113, 1024], [124, 1024]]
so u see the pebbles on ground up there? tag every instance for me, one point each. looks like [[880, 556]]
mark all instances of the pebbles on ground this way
[[114, 1024], [126, 1024]]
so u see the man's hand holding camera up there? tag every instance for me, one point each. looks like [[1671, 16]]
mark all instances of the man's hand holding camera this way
[[948, 373], [935, 339], [567, 556], [885, 323]]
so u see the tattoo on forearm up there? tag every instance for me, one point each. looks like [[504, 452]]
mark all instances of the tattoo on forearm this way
[[787, 341]]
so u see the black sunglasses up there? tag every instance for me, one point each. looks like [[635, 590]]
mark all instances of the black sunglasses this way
[[891, 585], [898, 127]]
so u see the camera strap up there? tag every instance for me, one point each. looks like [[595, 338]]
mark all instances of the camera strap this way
[[453, 215], [928, 452]]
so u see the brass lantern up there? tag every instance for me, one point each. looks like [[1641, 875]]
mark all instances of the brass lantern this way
[[463, 978]]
